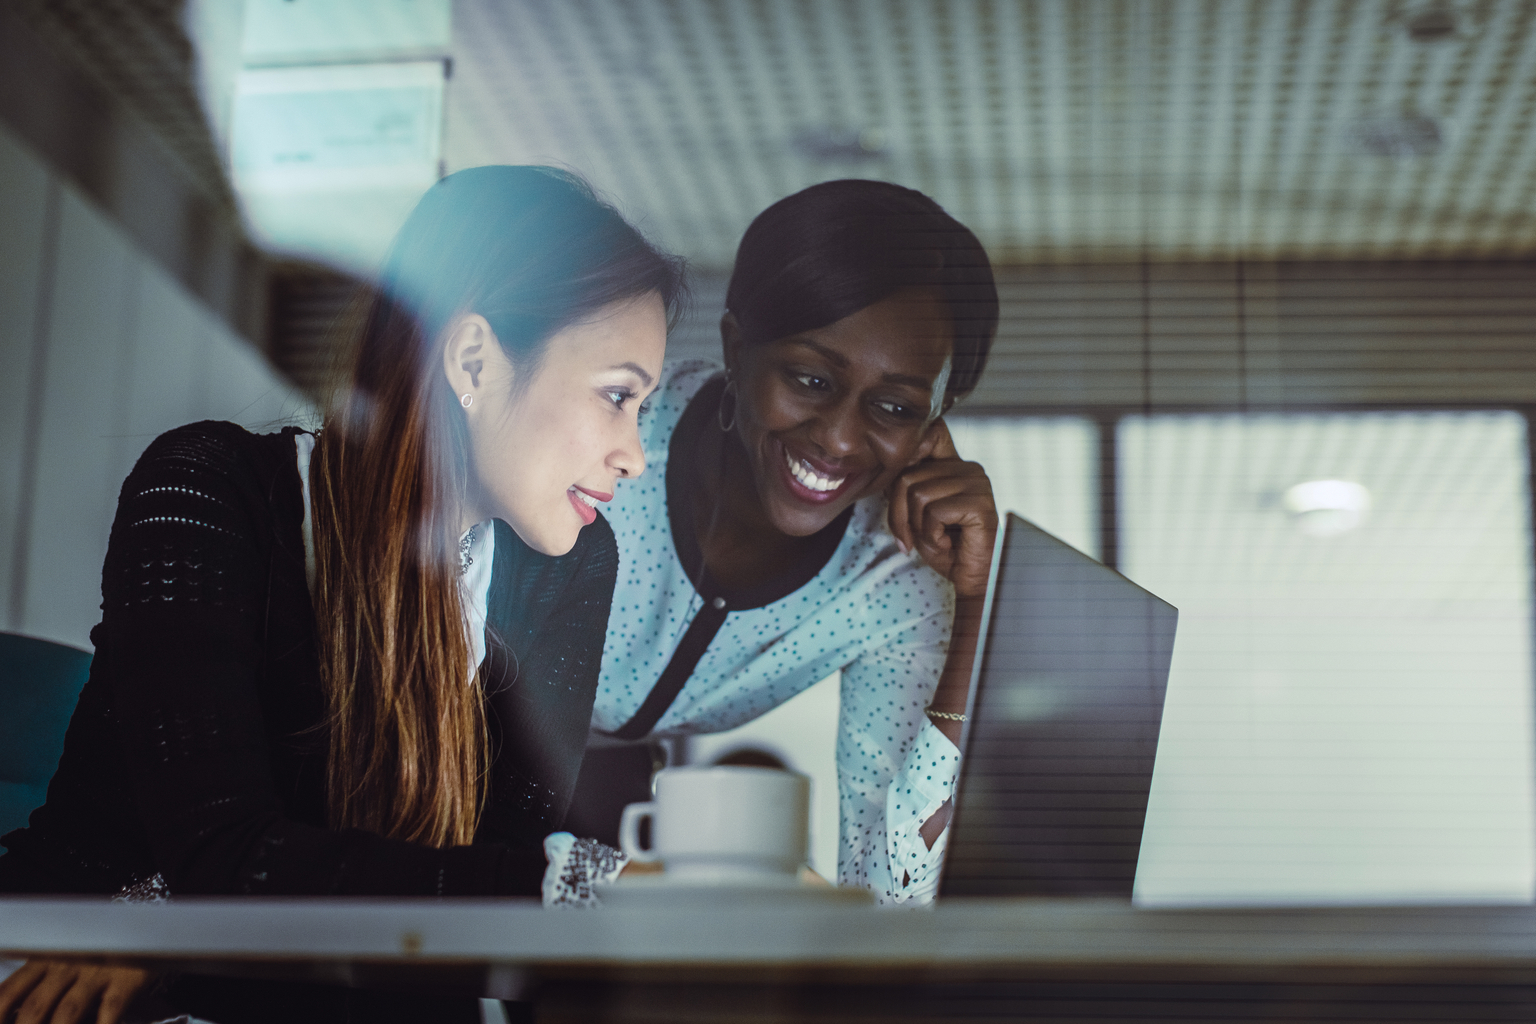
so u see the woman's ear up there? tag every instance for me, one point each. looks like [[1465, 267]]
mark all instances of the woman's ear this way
[[469, 344], [730, 342]]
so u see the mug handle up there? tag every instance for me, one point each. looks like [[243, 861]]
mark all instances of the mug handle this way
[[629, 832]]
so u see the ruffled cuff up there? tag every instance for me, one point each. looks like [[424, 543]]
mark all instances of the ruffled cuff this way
[[146, 890], [925, 781], [576, 868]]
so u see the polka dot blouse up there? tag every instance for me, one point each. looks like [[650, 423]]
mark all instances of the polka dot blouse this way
[[880, 616]]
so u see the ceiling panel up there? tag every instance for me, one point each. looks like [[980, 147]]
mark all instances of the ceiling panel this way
[[1060, 130]]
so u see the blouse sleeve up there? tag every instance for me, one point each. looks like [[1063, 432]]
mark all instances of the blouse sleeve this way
[[894, 768], [185, 588]]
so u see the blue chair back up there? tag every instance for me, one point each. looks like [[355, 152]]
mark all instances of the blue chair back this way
[[40, 681]]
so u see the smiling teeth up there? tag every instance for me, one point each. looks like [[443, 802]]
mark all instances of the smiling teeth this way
[[584, 496], [809, 478]]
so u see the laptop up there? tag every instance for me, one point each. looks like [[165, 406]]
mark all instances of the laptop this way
[[1061, 735]]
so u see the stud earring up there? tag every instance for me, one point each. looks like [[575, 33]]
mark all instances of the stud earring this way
[[467, 400]]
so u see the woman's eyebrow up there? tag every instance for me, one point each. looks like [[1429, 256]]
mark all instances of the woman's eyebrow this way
[[909, 380], [832, 356], [634, 368], [841, 362]]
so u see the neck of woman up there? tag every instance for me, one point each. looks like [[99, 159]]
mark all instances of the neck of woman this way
[[740, 544]]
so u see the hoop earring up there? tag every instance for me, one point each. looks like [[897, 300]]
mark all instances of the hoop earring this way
[[726, 426], [467, 400]]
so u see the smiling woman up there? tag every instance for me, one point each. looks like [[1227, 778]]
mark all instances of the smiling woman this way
[[557, 444], [811, 466], [362, 662], [814, 517]]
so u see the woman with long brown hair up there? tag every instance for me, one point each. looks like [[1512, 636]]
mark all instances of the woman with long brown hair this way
[[316, 671]]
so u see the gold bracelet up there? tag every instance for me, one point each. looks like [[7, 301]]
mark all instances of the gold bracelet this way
[[948, 716]]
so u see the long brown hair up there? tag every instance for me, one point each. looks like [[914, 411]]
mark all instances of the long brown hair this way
[[532, 250]]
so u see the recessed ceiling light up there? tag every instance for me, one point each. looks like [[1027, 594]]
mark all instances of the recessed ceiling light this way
[[1434, 25], [1399, 136], [839, 145], [1327, 508]]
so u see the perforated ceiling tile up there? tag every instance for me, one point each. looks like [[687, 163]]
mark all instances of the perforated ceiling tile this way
[[1058, 129]]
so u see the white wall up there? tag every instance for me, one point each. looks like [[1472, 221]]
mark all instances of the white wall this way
[[802, 732], [1042, 468], [100, 351], [23, 203], [1349, 718]]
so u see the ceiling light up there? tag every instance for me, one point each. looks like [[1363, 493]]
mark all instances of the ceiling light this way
[[1400, 136], [1327, 508], [839, 145], [1432, 26]]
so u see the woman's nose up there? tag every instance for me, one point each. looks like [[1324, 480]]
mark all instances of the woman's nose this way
[[838, 429], [628, 459]]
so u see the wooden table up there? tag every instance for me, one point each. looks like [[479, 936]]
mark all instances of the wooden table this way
[[969, 959]]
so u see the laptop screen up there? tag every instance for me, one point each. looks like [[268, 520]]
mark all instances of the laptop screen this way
[[1062, 729]]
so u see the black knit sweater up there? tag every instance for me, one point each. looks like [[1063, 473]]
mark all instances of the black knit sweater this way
[[197, 749]]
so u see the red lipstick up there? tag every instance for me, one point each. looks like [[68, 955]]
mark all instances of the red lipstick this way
[[587, 512]]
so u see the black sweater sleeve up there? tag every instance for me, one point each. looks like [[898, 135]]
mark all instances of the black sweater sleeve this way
[[185, 645]]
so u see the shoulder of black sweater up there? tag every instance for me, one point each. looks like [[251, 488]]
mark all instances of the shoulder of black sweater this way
[[218, 444], [230, 463], [263, 463]]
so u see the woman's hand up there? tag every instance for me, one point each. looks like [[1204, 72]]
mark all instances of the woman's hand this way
[[943, 507], [62, 992]]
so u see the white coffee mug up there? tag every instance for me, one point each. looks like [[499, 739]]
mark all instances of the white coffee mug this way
[[723, 823]]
